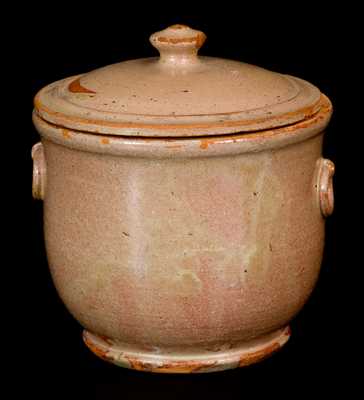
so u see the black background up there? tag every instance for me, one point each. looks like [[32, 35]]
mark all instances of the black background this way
[[301, 40]]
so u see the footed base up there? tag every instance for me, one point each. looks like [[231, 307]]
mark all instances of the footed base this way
[[208, 360]]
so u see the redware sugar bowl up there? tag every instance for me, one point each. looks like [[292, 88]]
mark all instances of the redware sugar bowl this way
[[184, 205]]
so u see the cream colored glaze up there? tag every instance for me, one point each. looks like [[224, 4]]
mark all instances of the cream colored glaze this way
[[39, 171], [326, 170], [178, 46], [209, 359], [177, 94], [181, 252], [187, 147]]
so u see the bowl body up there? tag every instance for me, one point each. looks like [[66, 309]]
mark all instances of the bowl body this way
[[184, 249]]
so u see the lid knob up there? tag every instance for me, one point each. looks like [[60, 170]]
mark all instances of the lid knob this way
[[178, 44]]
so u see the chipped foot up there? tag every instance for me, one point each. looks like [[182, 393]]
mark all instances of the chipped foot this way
[[206, 361]]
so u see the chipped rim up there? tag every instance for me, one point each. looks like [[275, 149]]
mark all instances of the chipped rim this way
[[187, 147], [247, 354]]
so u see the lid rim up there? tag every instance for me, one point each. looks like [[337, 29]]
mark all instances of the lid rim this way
[[144, 130], [188, 146], [209, 124]]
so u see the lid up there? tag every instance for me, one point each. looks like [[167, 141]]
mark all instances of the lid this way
[[177, 94]]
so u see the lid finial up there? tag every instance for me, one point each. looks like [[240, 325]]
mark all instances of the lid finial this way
[[178, 44]]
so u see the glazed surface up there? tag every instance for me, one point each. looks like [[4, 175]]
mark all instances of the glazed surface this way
[[183, 253], [178, 94]]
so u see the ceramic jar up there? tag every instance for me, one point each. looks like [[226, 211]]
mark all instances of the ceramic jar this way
[[184, 205]]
